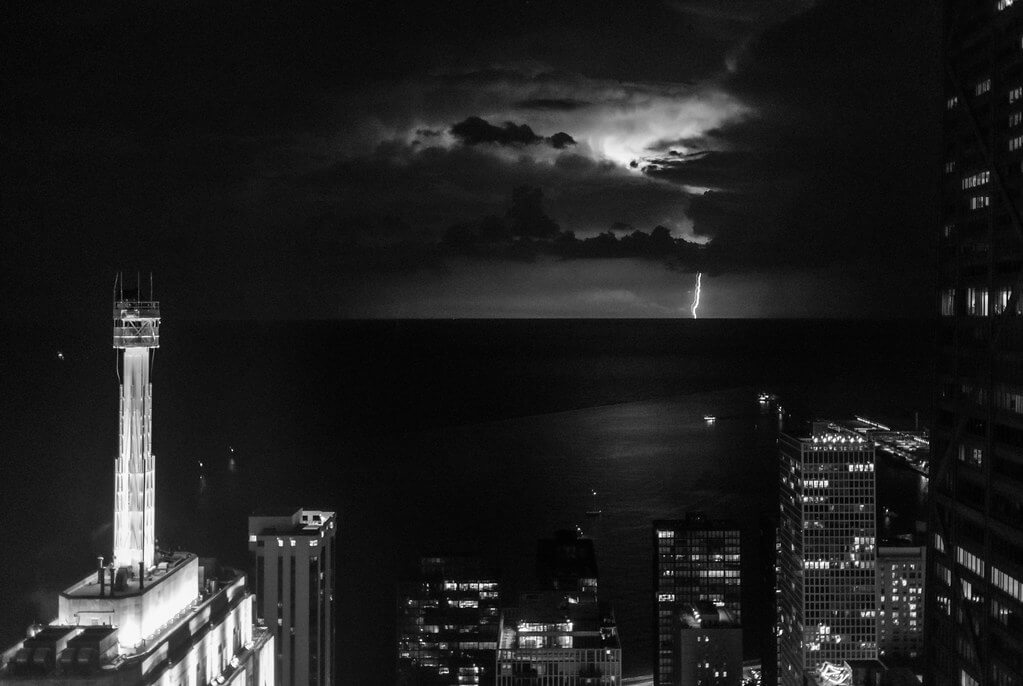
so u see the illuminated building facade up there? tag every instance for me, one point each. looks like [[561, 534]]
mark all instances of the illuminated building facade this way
[[974, 631], [827, 575], [559, 639], [151, 616], [900, 577], [295, 559], [708, 650], [695, 560], [448, 624], [136, 338]]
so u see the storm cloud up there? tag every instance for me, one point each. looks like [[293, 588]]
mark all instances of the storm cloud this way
[[474, 130]]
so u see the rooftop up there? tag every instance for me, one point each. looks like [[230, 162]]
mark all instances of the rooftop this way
[[551, 620], [289, 521], [706, 615], [126, 583]]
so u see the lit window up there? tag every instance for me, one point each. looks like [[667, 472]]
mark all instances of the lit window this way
[[1015, 118], [976, 302], [1015, 143], [976, 180], [982, 87], [951, 102], [979, 202], [950, 166], [1002, 4], [1016, 94]]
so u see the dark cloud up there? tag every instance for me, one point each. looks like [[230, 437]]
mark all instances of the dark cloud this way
[[552, 104], [561, 140], [474, 130], [836, 168]]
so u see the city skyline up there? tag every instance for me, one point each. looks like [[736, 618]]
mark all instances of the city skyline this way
[[704, 291]]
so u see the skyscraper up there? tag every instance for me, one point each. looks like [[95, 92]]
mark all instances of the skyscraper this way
[[294, 583], [827, 578], [975, 544], [695, 560], [900, 577], [151, 616], [447, 623]]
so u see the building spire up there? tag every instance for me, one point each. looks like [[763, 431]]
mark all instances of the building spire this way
[[136, 337]]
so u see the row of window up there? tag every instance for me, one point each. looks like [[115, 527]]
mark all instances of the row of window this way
[[970, 561], [977, 300], [1007, 583]]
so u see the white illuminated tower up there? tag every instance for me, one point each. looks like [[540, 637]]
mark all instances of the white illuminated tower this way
[[153, 617], [136, 337]]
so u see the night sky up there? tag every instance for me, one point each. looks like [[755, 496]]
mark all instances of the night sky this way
[[472, 159]]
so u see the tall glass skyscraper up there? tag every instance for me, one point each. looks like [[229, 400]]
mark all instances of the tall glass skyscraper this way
[[974, 615], [827, 576], [696, 561]]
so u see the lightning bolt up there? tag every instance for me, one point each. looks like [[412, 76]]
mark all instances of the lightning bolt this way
[[696, 296]]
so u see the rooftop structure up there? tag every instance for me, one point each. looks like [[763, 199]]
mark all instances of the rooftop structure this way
[[559, 639], [212, 637]]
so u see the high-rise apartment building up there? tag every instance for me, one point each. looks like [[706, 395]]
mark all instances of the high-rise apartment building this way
[[900, 579], [295, 561], [827, 576], [975, 543], [151, 616], [695, 560], [448, 623]]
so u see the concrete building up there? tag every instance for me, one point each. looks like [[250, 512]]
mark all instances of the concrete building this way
[[708, 648], [559, 639], [827, 575], [696, 560], [295, 559], [151, 616], [448, 623], [975, 522], [900, 605]]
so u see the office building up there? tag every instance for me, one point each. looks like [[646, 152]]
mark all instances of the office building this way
[[827, 576], [559, 639], [696, 560], [900, 578], [150, 616], [708, 648], [974, 620], [448, 623], [295, 559]]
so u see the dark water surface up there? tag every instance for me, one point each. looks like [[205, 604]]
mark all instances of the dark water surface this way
[[433, 436]]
